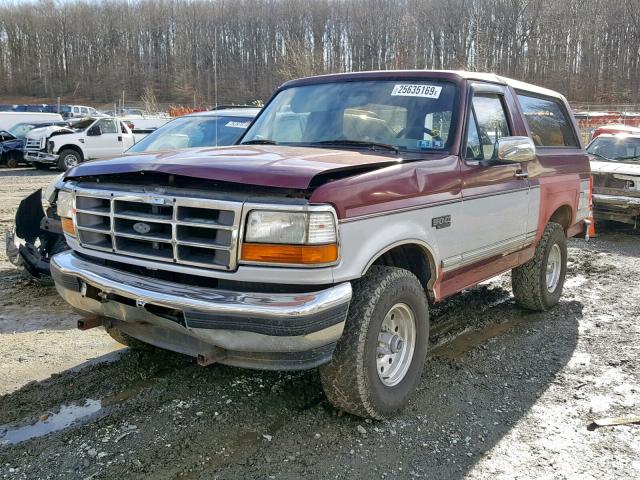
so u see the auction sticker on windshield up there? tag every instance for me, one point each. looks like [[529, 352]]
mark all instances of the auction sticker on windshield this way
[[408, 90], [237, 124]]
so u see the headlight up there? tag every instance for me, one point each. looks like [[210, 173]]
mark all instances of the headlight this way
[[49, 193], [65, 211], [280, 237]]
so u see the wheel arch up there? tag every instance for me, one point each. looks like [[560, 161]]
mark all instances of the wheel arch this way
[[413, 255], [562, 215]]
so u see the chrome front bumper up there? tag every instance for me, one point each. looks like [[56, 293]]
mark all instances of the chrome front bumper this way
[[40, 157], [616, 200], [257, 330]]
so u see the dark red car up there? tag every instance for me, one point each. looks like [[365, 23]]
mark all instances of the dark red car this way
[[350, 204]]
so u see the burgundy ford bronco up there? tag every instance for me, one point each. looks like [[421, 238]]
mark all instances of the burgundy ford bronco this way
[[319, 240]]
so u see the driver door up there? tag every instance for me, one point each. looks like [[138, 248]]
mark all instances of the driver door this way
[[108, 143], [495, 195]]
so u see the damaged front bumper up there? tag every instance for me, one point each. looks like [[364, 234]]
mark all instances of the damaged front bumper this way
[[40, 157], [617, 208], [279, 331]]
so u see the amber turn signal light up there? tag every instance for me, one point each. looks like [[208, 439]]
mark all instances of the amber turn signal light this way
[[290, 254], [68, 227]]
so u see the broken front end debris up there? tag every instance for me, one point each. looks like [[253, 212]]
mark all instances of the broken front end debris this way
[[37, 236]]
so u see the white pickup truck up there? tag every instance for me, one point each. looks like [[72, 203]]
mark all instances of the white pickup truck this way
[[85, 139]]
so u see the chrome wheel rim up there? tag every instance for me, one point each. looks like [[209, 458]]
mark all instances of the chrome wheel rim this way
[[70, 161], [396, 344], [554, 267]]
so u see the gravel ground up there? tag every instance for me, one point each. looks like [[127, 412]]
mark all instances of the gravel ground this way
[[506, 393]]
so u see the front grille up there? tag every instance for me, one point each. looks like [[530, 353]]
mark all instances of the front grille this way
[[173, 229], [34, 143]]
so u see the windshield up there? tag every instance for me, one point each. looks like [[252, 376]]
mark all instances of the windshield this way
[[20, 130], [408, 115], [619, 148], [82, 124], [199, 131]]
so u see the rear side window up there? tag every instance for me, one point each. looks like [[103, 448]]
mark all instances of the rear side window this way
[[548, 122]]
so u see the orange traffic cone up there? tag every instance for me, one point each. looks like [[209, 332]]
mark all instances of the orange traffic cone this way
[[591, 225]]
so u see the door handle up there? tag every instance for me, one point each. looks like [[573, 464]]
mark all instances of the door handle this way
[[521, 174], [119, 138]]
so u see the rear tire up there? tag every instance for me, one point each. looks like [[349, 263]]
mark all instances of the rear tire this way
[[375, 368], [127, 340], [537, 285], [68, 159], [41, 166]]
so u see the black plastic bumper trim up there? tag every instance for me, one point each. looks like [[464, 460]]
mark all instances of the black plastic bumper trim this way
[[277, 327]]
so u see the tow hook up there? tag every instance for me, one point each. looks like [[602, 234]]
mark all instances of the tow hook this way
[[210, 357], [89, 322]]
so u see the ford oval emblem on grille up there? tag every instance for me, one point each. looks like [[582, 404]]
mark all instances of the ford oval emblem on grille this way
[[142, 227]]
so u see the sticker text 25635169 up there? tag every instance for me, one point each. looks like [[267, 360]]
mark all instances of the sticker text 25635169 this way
[[416, 90]]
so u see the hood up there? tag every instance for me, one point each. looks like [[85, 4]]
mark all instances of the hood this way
[[615, 167], [270, 166], [44, 132]]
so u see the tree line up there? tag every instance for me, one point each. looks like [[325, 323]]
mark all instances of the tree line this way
[[237, 51]]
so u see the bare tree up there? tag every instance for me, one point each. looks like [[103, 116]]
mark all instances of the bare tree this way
[[185, 50]]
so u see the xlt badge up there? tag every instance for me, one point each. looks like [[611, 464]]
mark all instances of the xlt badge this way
[[441, 222]]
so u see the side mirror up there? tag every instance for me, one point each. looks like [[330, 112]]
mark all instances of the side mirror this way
[[516, 149], [94, 131]]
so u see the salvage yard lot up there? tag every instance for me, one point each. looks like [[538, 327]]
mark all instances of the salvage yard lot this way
[[506, 393]]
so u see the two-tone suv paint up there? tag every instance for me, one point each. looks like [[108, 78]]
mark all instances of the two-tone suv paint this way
[[351, 203]]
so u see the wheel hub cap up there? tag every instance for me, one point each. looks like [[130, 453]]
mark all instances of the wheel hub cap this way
[[396, 344], [70, 161]]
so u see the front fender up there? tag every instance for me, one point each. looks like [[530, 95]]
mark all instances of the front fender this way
[[364, 240]]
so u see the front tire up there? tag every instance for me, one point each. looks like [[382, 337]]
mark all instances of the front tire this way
[[537, 285], [379, 359], [68, 159]]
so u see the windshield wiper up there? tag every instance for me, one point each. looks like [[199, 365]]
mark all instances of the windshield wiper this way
[[598, 155], [632, 157], [357, 143], [261, 141]]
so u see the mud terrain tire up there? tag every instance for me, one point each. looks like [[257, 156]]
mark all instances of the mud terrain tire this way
[[351, 381], [529, 281], [121, 337]]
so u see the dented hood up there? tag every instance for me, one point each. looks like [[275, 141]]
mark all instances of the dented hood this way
[[615, 167], [45, 132], [272, 166]]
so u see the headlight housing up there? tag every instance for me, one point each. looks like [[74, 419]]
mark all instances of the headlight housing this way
[[64, 205], [49, 193], [283, 237]]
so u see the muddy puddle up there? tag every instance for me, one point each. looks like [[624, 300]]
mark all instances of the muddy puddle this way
[[68, 416], [464, 342], [51, 422]]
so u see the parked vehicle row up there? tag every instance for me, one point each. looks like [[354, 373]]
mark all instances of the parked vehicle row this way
[[12, 142], [66, 111], [350, 204]]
